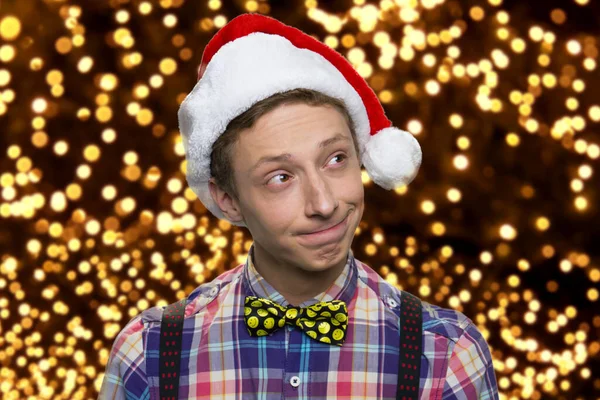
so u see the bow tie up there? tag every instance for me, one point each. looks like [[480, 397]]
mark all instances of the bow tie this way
[[325, 322]]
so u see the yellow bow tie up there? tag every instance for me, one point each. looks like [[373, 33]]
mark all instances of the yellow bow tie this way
[[324, 322]]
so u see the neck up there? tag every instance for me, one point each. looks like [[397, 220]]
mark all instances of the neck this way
[[295, 284]]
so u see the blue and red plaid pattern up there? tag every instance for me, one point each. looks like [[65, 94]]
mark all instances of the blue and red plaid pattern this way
[[221, 360]]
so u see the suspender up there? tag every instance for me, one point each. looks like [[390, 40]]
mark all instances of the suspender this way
[[171, 332], [409, 366]]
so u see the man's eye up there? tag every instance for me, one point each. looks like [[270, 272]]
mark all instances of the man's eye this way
[[341, 156], [276, 176]]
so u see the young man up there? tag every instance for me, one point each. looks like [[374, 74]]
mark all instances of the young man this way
[[275, 132]]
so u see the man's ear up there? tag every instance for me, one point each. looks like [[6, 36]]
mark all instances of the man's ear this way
[[228, 205]]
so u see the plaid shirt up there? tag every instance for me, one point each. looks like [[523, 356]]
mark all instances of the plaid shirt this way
[[221, 360]]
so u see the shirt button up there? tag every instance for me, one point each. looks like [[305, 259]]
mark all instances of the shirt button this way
[[392, 302], [214, 291], [295, 381]]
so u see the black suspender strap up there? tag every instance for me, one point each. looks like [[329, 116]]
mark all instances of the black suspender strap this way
[[171, 333], [411, 334]]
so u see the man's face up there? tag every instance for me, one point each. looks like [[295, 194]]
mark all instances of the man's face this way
[[315, 186]]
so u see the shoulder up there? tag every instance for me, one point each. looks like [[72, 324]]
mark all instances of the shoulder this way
[[200, 298], [196, 302], [126, 365], [446, 322], [456, 352], [128, 343], [437, 320]]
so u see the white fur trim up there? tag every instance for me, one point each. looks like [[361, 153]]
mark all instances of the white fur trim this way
[[241, 73], [392, 158]]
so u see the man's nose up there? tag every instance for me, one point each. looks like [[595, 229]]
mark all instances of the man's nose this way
[[320, 198]]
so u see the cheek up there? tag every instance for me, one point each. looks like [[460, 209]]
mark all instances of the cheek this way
[[358, 187], [353, 188], [275, 214]]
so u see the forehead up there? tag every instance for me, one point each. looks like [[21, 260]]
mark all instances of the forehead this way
[[297, 129]]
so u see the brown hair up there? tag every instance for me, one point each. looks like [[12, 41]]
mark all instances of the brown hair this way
[[220, 158]]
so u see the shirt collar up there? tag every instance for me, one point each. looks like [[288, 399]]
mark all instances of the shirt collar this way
[[343, 287]]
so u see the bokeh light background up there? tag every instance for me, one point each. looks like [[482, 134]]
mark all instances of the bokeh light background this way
[[97, 222]]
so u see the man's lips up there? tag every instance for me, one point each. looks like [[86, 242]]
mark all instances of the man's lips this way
[[318, 230]]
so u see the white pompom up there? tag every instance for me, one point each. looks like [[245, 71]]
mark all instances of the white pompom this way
[[392, 158]]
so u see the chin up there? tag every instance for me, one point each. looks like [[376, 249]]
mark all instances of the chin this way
[[326, 256]]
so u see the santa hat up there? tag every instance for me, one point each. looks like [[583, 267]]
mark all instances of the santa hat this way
[[254, 57]]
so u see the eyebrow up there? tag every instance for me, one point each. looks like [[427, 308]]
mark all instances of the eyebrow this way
[[286, 156]]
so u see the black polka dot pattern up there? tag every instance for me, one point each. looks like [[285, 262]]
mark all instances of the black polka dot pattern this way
[[324, 322], [411, 321], [170, 349]]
